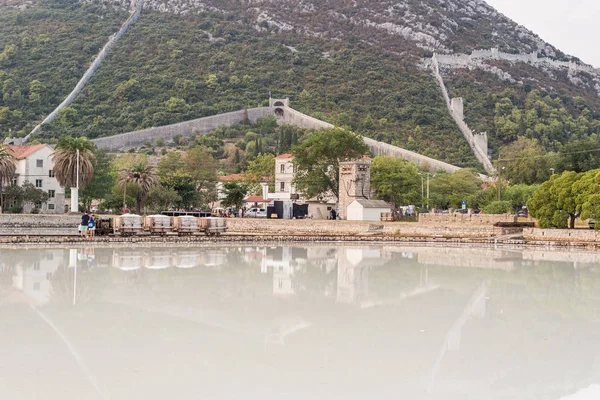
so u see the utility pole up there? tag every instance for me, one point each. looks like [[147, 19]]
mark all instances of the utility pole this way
[[428, 191], [422, 191], [499, 177]]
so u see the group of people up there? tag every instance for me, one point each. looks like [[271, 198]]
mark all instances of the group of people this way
[[87, 228]]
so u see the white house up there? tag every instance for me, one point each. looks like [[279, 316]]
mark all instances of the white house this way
[[284, 174], [367, 210], [35, 165]]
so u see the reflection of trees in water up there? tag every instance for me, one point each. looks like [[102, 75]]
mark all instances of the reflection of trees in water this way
[[63, 282]]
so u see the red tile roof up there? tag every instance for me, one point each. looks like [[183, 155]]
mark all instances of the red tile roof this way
[[21, 152], [232, 177], [284, 156], [257, 199]]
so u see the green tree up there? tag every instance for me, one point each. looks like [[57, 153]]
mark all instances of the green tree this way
[[518, 195], [8, 165], [579, 156], [143, 176], [449, 190], [554, 203], [524, 162], [182, 183], [234, 192], [261, 169], [103, 181], [65, 158], [317, 160], [161, 198], [498, 207], [396, 181], [171, 163], [202, 167], [33, 195], [587, 189]]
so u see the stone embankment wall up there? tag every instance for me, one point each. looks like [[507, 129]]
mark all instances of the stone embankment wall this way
[[458, 219], [135, 14], [52, 225], [562, 235], [455, 108], [199, 126], [356, 228], [27, 224]]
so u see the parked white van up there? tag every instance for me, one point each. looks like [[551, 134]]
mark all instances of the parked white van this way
[[256, 213]]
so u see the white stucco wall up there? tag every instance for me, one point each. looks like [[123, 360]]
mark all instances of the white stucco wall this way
[[356, 212], [27, 170]]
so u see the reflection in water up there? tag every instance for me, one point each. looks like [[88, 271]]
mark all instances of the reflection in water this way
[[314, 321]]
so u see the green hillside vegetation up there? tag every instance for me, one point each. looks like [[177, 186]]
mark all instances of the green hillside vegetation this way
[[166, 70], [44, 51], [171, 68], [511, 111]]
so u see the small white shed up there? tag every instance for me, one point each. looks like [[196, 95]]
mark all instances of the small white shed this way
[[367, 210]]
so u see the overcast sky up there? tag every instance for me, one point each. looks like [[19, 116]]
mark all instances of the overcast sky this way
[[572, 26]]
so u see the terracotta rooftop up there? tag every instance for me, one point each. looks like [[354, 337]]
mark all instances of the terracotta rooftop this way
[[284, 156], [232, 177], [257, 199], [21, 152]]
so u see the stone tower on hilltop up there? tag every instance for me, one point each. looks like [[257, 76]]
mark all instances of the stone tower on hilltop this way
[[355, 183]]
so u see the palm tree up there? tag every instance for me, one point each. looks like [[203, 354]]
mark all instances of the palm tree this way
[[65, 161], [8, 165], [73, 158], [144, 176]]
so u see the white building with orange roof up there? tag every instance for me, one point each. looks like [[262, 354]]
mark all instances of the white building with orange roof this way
[[35, 165]]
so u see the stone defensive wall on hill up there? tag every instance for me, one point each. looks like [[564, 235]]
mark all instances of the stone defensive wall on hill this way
[[477, 142], [284, 115], [199, 126], [466, 60], [135, 10]]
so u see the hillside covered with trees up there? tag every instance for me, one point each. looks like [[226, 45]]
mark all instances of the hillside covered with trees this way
[[357, 65]]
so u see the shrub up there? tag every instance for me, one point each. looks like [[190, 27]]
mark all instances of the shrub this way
[[498, 207]]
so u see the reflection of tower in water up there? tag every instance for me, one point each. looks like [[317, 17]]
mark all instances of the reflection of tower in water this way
[[353, 274]]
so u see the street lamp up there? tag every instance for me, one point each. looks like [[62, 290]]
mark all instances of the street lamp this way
[[499, 179], [433, 176], [422, 191]]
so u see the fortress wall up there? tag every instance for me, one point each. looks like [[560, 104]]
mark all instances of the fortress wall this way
[[479, 153], [199, 126], [292, 117], [384, 149], [466, 60], [94, 66], [300, 120], [296, 118]]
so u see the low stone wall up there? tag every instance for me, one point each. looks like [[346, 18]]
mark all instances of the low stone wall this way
[[354, 228], [458, 219], [28, 224], [52, 225], [562, 235]]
